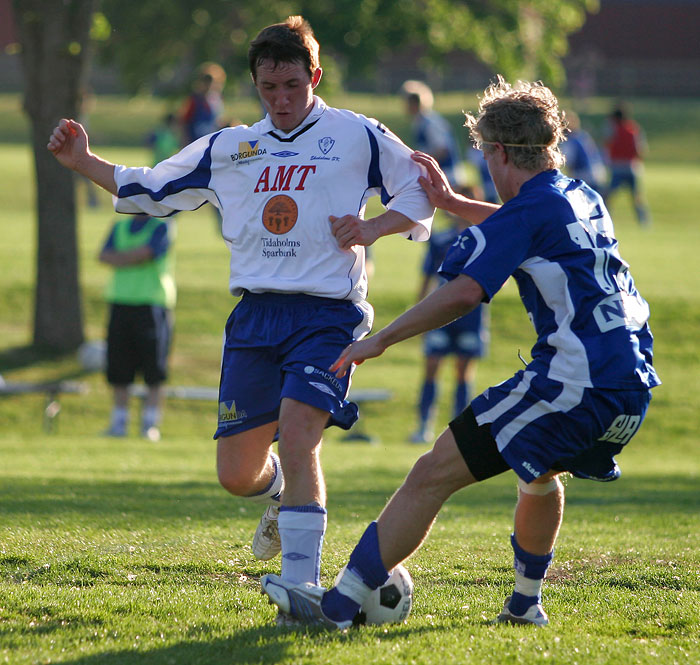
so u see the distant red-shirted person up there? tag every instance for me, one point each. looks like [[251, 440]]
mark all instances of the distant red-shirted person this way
[[625, 147]]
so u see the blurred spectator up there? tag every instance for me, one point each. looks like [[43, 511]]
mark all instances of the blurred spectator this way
[[583, 159], [164, 139], [141, 294], [431, 132], [626, 145], [201, 114], [488, 189]]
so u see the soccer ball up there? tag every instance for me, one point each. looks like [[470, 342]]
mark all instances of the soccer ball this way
[[390, 603], [92, 356]]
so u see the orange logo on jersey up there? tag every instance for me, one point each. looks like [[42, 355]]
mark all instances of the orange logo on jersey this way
[[280, 214]]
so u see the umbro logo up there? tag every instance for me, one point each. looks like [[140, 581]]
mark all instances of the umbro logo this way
[[294, 556], [285, 153]]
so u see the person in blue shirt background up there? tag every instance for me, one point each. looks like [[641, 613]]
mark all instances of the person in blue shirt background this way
[[575, 405], [431, 132], [466, 338], [583, 159]]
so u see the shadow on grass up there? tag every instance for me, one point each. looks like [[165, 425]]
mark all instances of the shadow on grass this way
[[19, 357], [100, 501], [254, 646]]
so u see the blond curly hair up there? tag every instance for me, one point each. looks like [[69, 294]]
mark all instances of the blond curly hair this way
[[525, 119]]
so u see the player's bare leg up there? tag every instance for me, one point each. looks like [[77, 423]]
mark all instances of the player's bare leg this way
[[300, 431], [399, 531], [243, 460], [247, 467], [302, 518], [538, 516], [408, 517]]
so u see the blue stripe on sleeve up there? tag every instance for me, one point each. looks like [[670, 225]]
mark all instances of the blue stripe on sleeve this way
[[374, 174], [197, 179]]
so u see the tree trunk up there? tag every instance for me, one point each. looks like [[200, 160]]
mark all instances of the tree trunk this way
[[55, 54]]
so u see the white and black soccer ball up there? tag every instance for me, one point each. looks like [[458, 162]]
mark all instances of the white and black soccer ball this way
[[390, 603], [92, 356]]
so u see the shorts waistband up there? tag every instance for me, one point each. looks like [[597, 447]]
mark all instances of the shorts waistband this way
[[271, 298]]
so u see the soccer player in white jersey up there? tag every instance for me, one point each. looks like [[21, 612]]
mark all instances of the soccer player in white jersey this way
[[574, 406], [291, 190]]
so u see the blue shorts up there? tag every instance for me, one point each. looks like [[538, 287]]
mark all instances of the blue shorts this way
[[540, 424], [467, 336], [281, 345], [623, 175]]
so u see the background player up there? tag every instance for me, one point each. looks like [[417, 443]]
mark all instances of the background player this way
[[202, 111], [292, 191], [626, 145], [466, 338], [583, 159], [431, 132], [142, 295], [576, 404]]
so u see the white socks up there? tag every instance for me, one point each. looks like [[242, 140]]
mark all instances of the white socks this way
[[301, 531]]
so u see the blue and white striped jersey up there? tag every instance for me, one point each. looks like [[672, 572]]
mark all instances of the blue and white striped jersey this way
[[276, 190], [557, 240]]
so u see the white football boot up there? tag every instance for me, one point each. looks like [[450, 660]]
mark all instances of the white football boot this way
[[266, 541], [299, 601], [535, 615]]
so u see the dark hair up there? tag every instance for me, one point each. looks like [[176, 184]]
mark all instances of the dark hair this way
[[291, 41]]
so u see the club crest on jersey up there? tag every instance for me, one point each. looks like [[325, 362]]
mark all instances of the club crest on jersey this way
[[326, 144], [280, 214], [248, 151]]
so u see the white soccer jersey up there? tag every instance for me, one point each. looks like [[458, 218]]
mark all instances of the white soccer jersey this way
[[276, 190]]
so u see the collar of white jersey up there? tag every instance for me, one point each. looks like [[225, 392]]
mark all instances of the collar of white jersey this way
[[316, 112]]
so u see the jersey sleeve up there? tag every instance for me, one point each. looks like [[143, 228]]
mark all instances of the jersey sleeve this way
[[395, 175], [490, 252], [178, 183]]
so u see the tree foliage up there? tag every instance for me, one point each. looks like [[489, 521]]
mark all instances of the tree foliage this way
[[154, 40]]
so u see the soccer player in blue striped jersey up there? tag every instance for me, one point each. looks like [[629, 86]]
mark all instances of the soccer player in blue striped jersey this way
[[576, 404]]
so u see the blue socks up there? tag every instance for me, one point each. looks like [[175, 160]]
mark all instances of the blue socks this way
[[364, 572], [530, 570], [426, 400], [462, 397]]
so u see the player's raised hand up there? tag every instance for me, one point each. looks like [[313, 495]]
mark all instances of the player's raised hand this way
[[350, 230], [435, 185], [357, 353], [68, 143]]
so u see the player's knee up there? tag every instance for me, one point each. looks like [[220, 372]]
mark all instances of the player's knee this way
[[541, 488], [235, 479], [438, 473], [297, 441]]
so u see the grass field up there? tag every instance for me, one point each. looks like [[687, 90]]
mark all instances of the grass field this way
[[127, 552]]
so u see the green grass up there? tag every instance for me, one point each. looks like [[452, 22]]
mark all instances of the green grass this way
[[119, 552]]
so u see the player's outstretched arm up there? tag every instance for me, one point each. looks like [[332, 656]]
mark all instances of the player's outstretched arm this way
[[351, 230], [449, 302], [441, 195], [69, 144]]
